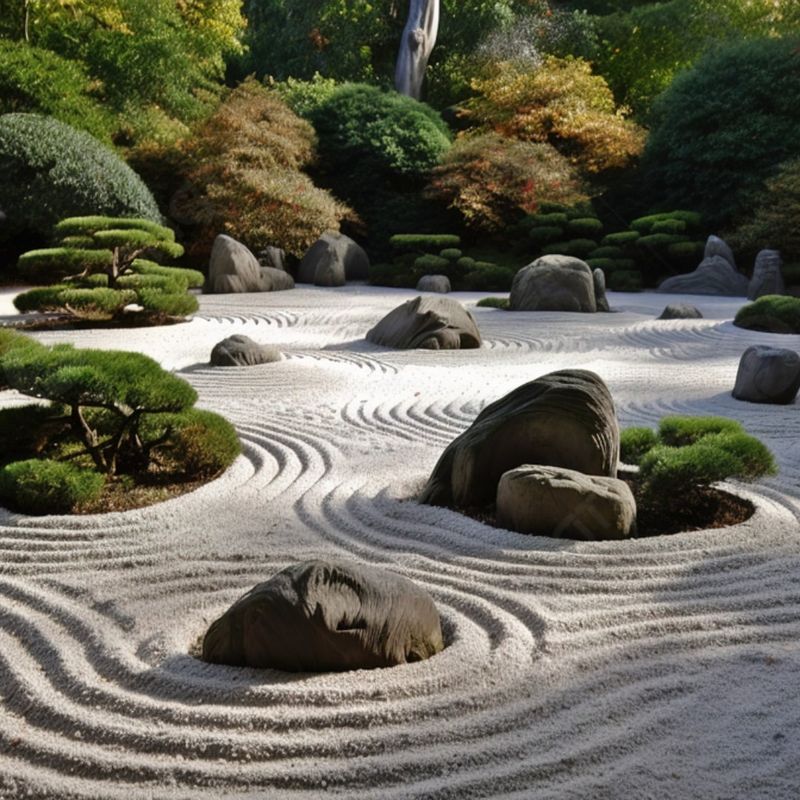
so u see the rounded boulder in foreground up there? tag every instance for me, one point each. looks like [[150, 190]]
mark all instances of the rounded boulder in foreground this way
[[768, 375], [321, 616], [554, 283], [430, 323], [549, 501], [563, 419], [242, 351]]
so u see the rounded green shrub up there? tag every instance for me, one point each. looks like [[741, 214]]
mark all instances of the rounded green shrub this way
[[493, 302], [666, 470], [193, 278], [424, 242], [49, 171], [431, 265], [451, 253], [585, 226], [40, 486], [57, 263], [551, 220], [772, 313], [489, 278], [377, 130], [550, 207], [621, 238], [679, 431], [466, 263], [686, 250], [660, 240], [171, 305], [635, 443], [669, 226], [580, 248], [545, 234]]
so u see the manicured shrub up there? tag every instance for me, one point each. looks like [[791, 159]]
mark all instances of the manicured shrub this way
[[620, 239], [687, 251], [647, 224], [772, 313], [669, 226], [679, 431], [451, 253], [623, 280], [668, 470], [635, 443], [305, 97], [580, 248], [493, 302], [553, 219], [660, 240], [424, 243], [493, 181], [49, 171], [174, 306], [244, 168], [489, 278], [544, 234], [585, 226], [607, 251], [40, 486], [381, 132], [725, 126], [466, 263], [431, 265]]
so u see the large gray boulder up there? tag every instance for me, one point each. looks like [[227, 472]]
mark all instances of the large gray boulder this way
[[719, 247], [431, 323], [714, 276], [554, 283], [434, 283], [333, 260], [564, 419], [242, 351], [768, 375], [327, 615], [767, 276], [233, 268], [681, 311], [550, 501]]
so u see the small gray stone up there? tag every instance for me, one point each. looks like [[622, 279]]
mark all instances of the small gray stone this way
[[431, 323], [563, 419], [333, 260], [768, 375], [767, 277], [600, 290], [714, 276], [550, 501], [719, 247], [434, 283], [242, 351], [327, 615], [681, 311], [554, 283]]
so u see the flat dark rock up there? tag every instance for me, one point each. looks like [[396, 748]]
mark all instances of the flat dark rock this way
[[242, 351], [681, 311], [320, 616]]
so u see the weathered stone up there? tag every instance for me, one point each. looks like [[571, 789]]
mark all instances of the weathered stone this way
[[432, 323], [564, 419], [681, 311], [601, 301], [333, 260], [233, 268], [714, 276], [242, 351], [768, 375], [554, 283], [719, 247], [767, 277], [327, 615], [275, 280], [273, 257], [434, 283], [550, 501]]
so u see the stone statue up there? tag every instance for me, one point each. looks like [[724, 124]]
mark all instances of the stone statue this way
[[419, 37]]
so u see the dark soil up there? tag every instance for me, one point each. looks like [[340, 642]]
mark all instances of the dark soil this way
[[699, 509]]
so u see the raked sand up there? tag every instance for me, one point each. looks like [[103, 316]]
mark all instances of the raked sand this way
[[656, 668]]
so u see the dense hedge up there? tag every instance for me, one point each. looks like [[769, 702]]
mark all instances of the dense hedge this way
[[772, 313], [49, 170]]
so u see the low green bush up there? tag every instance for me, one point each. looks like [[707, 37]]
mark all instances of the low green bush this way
[[431, 265], [451, 253], [193, 278], [88, 226], [623, 280], [176, 306], [646, 224], [556, 219], [40, 486], [772, 313], [672, 470], [635, 443], [57, 263], [686, 250], [585, 226], [424, 242], [466, 263], [489, 278], [545, 233], [621, 238], [678, 431], [42, 298], [493, 302], [660, 240], [550, 207], [669, 226]]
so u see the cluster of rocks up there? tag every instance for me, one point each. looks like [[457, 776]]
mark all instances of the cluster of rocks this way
[[558, 283], [432, 323], [546, 454], [768, 375], [718, 275], [332, 260], [327, 616]]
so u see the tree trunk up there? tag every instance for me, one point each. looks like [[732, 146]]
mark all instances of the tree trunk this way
[[419, 37]]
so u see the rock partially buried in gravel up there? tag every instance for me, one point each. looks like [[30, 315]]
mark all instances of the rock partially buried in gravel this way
[[768, 375], [681, 311], [564, 419], [554, 283], [333, 260], [716, 275], [549, 501], [434, 283], [321, 616], [431, 323], [242, 351], [767, 277]]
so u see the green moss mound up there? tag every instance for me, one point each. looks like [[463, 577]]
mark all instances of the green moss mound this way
[[772, 313], [40, 486]]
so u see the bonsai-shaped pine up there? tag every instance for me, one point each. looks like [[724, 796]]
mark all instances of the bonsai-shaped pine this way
[[110, 413], [691, 453], [108, 268]]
